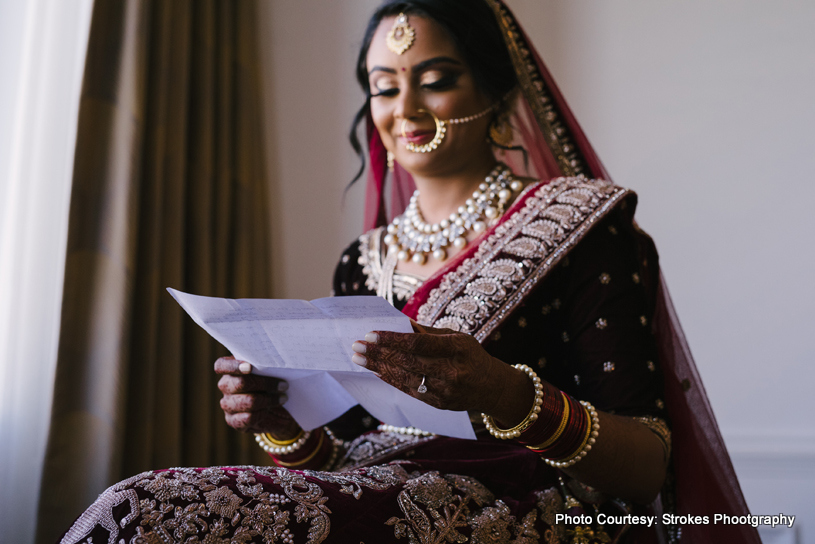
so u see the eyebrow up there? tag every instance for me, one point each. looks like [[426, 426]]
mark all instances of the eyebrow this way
[[418, 67]]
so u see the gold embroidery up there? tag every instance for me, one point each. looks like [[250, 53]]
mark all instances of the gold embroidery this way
[[539, 97], [483, 290]]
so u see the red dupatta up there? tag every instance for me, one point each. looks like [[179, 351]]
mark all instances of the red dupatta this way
[[706, 482]]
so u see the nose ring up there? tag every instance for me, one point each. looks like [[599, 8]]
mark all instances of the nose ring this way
[[441, 131]]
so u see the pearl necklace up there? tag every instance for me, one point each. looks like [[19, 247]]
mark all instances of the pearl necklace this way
[[412, 238]]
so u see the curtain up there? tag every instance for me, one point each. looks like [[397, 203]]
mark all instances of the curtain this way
[[42, 56], [168, 191]]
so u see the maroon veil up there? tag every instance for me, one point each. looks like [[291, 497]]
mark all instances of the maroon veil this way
[[705, 481]]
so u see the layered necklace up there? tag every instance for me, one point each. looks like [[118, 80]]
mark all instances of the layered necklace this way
[[410, 237]]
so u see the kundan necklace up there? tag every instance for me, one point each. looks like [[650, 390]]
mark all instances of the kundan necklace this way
[[411, 237]]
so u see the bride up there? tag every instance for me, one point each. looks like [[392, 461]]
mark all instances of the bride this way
[[537, 305]]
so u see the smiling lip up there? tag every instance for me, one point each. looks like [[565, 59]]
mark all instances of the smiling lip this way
[[418, 136]]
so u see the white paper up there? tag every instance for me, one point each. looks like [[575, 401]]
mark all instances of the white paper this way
[[308, 344]]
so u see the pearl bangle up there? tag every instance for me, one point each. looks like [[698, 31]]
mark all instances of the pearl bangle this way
[[402, 430], [273, 446], [336, 447], [592, 432], [531, 417]]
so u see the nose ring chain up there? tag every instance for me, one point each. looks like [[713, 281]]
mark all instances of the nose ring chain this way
[[441, 129]]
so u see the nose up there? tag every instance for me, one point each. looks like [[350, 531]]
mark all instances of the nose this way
[[408, 104]]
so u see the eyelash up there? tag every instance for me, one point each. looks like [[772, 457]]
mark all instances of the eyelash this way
[[438, 85]]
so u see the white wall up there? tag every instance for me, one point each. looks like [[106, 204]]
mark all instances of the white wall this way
[[704, 108]]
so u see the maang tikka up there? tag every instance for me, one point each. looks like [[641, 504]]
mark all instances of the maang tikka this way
[[401, 35]]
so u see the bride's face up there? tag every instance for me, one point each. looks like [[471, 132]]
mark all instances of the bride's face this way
[[431, 75]]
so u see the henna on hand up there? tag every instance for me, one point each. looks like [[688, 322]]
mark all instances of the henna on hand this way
[[459, 373], [253, 403]]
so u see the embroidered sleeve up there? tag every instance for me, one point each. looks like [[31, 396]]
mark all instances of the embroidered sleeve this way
[[587, 327]]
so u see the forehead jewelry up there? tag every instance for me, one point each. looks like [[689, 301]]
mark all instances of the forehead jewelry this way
[[401, 35], [441, 129]]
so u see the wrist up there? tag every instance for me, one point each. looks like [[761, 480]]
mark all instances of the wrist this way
[[517, 394]]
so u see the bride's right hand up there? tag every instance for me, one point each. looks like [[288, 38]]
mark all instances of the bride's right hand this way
[[253, 403]]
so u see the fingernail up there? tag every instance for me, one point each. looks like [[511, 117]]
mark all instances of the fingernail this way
[[282, 386], [372, 337], [245, 368], [283, 398], [359, 359], [358, 347]]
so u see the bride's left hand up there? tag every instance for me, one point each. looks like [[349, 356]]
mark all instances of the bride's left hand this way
[[458, 373]]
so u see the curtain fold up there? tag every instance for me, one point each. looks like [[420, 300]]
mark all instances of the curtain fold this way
[[168, 191]]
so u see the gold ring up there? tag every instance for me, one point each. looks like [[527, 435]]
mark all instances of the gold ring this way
[[441, 130]]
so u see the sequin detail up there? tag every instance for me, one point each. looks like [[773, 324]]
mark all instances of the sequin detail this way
[[556, 216]]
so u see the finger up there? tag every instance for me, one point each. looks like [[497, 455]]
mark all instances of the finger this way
[[229, 384], [378, 357], [436, 345], [276, 420], [233, 404], [230, 365]]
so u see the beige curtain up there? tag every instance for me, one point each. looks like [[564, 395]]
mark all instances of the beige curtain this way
[[168, 191]]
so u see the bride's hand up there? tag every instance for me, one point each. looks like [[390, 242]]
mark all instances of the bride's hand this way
[[253, 403], [458, 373]]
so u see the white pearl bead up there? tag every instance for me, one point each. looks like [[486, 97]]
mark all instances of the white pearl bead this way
[[459, 221], [419, 258], [479, 226], [403, 256], [461, 209], [516, 185], [440, 254], [470, 209], [504, 194], [483, 186], [460, 242], [469, 202], [444, 223], [492, 213], [476, 194], [390, 239], [392, 228]]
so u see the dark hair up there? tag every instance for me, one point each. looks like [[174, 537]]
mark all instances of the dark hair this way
[[471, 24]]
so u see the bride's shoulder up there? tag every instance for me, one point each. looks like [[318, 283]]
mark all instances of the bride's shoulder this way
[[585, 195]]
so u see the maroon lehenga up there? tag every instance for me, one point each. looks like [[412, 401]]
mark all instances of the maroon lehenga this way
[[565, 283]]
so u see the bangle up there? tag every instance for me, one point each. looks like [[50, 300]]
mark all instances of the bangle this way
[[515, 432], [560, 428], [592, 431], [306, 459], [336, 444], [274, 446], [385, 428]]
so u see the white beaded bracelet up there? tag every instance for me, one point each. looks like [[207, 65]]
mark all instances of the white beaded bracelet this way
[[402, 430], [591, 439], [515, 432], [336, 447], [270, 446]]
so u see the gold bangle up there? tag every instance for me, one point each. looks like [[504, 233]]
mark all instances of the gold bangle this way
[[531, 417], [270, 444], [560, 429], [303, 461], [277, 442]]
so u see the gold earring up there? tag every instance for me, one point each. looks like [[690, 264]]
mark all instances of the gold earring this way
[[391, 160], [501, 132]]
